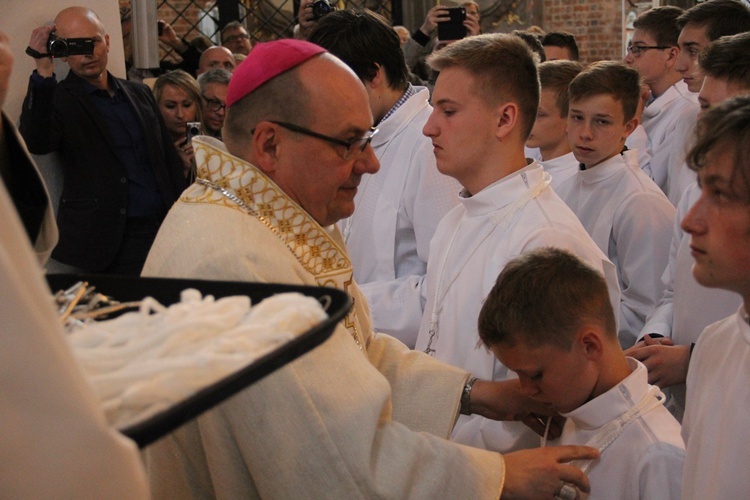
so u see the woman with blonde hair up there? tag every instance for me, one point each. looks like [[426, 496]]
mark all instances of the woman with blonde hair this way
[[179, 98]]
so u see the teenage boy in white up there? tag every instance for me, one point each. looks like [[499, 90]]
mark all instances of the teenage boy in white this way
[[548, 319], [548, 133], [718, 400], [622, 209], [653, 53], [484, 108]]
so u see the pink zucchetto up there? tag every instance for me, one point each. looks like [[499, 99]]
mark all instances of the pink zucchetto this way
[[266, 61]]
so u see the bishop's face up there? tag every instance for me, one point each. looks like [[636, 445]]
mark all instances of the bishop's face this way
[[314, 172]]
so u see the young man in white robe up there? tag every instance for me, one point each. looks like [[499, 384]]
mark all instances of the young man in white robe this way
[[361, 415], [718, 400], [699, 26], [686, 308], [484, 111], [396, 210], [548, 133], [622, 209], [653, 52], [548, 319]]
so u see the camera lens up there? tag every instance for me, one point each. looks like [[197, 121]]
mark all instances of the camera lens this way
[[194, 131], [320, 8], [57, 47]]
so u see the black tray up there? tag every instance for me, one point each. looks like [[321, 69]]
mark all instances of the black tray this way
[[167, 291]]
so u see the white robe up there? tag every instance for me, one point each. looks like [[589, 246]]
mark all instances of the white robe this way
[[54, 440], [718, 403], [468, 252], [630, 219], [662, 120], [561, 168], [645, 461], [639, 153], [685, 307], [397, 211], [680, 175], [340, 421]]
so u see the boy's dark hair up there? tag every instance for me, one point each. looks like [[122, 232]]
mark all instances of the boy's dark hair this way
[[562, 39], [544, 297], [728, 58], [504, 68], [533, 41], [661, 24], [556, 76], [726, 127], [610, 78], [719, 18], [363, 40]]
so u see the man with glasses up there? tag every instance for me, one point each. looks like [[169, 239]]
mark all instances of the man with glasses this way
[[235, 37], [360, 416], [653, 52], [214, 85]]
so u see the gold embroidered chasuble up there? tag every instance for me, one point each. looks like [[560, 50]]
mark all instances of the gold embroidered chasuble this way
[[347, 413], [231, 182]]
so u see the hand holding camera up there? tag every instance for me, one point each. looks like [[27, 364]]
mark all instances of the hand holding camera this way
[[38, 44]]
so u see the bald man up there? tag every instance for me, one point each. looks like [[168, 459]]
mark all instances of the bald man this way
[[121, 168], [216, 57]]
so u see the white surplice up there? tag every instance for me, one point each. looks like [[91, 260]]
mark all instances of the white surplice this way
[[639, 153], [470, 248], [718, 403], [662, 120], [680, 175], [645, 461], [685, 307], [561, 168], [340, 421], [54, 439], [397, 210], [631, 220]]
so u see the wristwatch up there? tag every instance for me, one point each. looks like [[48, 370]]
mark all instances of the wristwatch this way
[[466, 397]]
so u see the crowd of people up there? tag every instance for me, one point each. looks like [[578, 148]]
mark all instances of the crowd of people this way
[[546, 302]]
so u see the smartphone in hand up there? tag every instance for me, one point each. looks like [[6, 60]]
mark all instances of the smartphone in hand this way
[[453, 28]]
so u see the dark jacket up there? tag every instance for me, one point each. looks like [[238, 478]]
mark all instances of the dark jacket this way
[[93, 206]]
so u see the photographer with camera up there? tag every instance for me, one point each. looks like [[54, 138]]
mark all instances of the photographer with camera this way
[[121, 170], [308, 14], [421, 44]]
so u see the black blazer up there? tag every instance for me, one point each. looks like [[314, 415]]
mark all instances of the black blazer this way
[[93, 206]]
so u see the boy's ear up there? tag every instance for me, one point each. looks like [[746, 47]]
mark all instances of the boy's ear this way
[[630, 126], [590, 341], [672, 54], [508, 115], [378, 80]]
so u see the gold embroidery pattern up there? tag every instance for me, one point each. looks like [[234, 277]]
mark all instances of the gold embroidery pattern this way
[[318, 253]]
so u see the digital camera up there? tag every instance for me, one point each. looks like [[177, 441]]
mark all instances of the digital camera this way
[[191, 130], [320, 8], [62, 47]]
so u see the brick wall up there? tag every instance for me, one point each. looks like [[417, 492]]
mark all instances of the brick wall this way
[[597, 25]]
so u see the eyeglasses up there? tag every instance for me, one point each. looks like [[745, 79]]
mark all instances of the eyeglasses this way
[[214, 104], [235, 38], [637, 50], [359, 143]]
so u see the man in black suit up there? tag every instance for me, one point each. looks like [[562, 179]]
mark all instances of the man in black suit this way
[[121, 170]]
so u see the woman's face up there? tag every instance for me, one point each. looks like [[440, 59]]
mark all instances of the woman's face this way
[[177, 109]]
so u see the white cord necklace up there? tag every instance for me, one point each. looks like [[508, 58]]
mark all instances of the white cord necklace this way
[[501, 218]]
